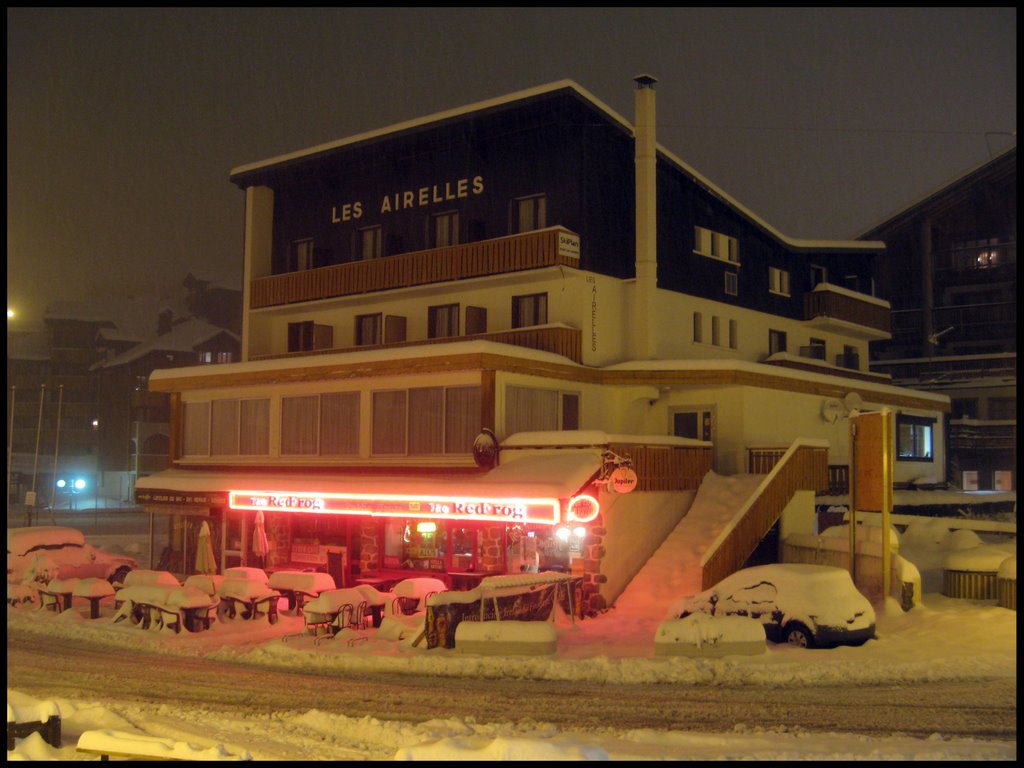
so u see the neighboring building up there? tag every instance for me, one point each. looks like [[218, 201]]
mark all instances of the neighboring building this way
[[90, 364], [950, 274], [538, 269]]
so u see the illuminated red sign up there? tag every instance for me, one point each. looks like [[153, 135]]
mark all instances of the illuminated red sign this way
[[543, 511]]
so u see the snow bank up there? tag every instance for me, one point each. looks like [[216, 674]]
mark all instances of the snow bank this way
[[702, 635], [110, 742], [529, 638], [984, 559]]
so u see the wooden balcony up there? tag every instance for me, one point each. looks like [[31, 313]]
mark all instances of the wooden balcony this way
[[531, 250], [557, 339], [834, 308]]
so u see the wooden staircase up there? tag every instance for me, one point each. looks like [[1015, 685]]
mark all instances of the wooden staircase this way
[[803, 467]]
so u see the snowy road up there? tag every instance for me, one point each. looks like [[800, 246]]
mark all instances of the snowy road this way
[[55, 667]]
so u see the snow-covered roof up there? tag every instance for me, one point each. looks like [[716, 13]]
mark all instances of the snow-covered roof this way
[[508, 350], [590, 438], [542, 476], [183, 337], [803, 244]]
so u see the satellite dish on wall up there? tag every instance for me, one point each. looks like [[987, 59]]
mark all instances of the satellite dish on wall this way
[[832, 411], [853, 402]]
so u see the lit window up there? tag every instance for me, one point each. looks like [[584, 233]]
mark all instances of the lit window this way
[[914, 438]]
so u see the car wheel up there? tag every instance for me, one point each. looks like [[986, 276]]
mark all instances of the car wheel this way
[[798, 635], [117, 577]]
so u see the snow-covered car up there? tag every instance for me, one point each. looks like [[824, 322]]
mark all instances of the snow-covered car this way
[[44, 552], [805, 605]]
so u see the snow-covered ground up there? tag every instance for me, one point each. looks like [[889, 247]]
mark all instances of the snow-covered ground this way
[[940, 639]]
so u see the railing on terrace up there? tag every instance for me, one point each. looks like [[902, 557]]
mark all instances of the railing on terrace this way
[[971, 434], [666, 468], [530, 250], [978, 258], [559, 340], [803, 467], [843, 306], [762, 460]]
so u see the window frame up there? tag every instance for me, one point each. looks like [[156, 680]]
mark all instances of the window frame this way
[[537, 204], [778, 281], [443, 321], [374, 235], [920, 431], [534, 304]]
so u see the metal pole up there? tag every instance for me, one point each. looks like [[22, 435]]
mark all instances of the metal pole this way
[[10, 446], [853, 499], [39, 429], [56, 449]]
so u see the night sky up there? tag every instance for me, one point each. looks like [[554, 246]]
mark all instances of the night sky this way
[[124, 124]]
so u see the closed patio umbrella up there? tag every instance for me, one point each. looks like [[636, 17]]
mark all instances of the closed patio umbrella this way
[[206, 562], [260, 544]]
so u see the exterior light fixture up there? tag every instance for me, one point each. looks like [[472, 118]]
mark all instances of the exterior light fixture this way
[[563, 534]]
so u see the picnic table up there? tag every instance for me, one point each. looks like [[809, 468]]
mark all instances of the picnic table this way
[[299, 585], [94, 590], [56, 595], [143, 577], [335, 609], [246, 572], [207, 583], [411, 594], [247, 598], [147, 605], [376, 601]]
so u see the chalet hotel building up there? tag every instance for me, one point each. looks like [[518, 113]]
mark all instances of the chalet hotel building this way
[[519, 334]]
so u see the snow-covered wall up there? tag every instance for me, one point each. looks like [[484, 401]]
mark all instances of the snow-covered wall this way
[[636, 524]]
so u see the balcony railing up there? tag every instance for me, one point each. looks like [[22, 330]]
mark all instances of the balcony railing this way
[[978, 259], [542, 248], [826, 303], [973, 435], [558, 339]]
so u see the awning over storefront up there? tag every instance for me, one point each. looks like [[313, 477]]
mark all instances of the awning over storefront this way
[[533, 487]]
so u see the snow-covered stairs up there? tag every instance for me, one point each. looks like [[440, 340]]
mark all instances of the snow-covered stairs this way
[[674, 570]]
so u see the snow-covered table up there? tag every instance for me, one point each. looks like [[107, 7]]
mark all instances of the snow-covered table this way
[[94, 590], [207, 583], [298, 585], [246, 572], [247, 597], [335, 609], [142, 577], [56, 595], [165, 605], [412, 594]]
